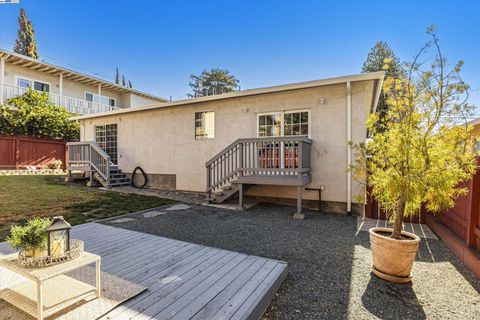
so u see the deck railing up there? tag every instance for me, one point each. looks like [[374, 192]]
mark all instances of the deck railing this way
[[282, 156], [73, 105], [88, 153]]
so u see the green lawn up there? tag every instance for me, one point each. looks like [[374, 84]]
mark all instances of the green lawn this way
[[23, 197]]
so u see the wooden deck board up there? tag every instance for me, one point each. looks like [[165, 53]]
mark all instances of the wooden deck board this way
[[184, 280]]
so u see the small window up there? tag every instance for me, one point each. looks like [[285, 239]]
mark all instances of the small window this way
[[40, 86], [24, 83], [105, 100], [204, 125]]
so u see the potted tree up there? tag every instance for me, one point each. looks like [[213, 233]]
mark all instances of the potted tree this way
[[417, 155], [32, 237]]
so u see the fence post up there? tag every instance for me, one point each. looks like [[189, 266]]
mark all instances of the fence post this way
[[17, 153], [472, 210]]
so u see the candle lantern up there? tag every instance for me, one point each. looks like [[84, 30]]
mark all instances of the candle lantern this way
[[58, 235]]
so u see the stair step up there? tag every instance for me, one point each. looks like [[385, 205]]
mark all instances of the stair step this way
[[227, 188]]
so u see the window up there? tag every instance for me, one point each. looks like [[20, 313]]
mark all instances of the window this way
[[34, 84], [106, 139], [93, 97], [288, 123], [24, 83], [296, 123], [204, 125], [270, 125], [39, 86]]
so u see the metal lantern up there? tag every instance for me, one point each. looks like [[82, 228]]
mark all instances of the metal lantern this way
[[58, 235]]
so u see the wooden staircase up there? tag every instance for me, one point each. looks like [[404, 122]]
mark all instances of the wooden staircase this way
[[87, 157], [264, 161]]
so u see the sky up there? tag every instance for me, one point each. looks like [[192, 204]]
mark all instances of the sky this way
[[159, 44]]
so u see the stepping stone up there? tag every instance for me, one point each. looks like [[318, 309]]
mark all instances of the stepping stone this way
[[122, 220], [151, 214], [178, 207]]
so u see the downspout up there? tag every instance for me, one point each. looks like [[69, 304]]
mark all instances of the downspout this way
[[349, 149]]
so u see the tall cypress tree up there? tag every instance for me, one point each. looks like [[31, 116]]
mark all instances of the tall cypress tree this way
[[117, 76], [25, 43], [123, 81], [130, 84]]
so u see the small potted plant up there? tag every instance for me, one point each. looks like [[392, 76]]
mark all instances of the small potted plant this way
[[419, 152], [31, 237]]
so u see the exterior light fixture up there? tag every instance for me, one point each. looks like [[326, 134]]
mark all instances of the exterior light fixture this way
[[323, 100]]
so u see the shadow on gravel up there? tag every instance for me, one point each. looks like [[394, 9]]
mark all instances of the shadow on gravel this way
[[328, 262], [389, 301]]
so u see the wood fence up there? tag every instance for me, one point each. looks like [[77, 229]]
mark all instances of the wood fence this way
[[17, 152]]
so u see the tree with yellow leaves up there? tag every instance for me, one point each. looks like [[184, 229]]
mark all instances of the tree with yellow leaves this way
[[423, 149]]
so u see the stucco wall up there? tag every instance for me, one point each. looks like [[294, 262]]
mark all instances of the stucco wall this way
[[162, 141], [71, 88]]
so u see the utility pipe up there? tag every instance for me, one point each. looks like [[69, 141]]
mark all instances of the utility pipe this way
[[349, 149]]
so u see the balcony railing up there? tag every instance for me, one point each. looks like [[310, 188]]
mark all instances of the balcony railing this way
[[279, 158], [73, 105]]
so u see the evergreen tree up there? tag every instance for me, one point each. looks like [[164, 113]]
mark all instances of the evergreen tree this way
[[117, 76], [25, 43], [123, 81], [130, 84], [382, 58], [215, 81]]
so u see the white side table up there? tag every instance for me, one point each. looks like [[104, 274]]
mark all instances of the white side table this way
[[49, 289]]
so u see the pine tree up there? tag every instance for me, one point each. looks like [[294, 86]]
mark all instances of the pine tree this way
[[215, 81], [130, 84], [382, 58], [25, 43], [123, 81], [117, 76]]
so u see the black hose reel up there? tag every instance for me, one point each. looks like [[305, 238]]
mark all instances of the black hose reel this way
[[145, 178]]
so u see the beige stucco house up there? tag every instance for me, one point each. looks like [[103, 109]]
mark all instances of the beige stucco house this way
[[271, 143], [78, 92]]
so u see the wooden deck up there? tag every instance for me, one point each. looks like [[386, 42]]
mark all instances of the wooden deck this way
[[184, 280]]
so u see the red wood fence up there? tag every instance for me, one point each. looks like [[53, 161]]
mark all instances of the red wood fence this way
[[18, 152]]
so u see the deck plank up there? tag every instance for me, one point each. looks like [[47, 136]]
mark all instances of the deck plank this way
[[184, 280]]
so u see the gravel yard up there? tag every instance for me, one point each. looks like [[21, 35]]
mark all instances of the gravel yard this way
[[329, 263]]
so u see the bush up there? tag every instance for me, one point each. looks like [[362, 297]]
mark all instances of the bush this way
[[30, 237], [37, 116]]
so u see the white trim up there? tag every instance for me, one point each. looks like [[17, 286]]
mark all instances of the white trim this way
[[244, 93], [349, 148], [2, 77], [33, 85], [195, 125], [99, 102], [282, 120]]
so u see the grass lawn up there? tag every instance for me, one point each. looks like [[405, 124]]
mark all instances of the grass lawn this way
[[24, 197]]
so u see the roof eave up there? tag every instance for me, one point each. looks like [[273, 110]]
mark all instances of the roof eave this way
[[250, 92]]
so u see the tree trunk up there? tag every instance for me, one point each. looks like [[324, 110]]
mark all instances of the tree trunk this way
[[397, 226]]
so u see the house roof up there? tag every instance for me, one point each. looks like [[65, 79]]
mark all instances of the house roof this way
[[375, 76], [42, 66]]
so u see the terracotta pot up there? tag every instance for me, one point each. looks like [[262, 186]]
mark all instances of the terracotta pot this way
[[392, 258]]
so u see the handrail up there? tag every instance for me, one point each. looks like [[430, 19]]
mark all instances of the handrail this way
[[73, 105], [271, 156], [263, 139], [90, 153]]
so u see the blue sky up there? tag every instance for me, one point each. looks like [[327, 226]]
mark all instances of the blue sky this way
[[158, 44]]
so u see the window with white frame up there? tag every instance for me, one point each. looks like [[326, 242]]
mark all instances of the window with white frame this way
[[105, 100], [204, 125], [287, 123], [34, 84]]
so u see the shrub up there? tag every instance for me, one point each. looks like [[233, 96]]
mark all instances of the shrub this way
[[30, 237]]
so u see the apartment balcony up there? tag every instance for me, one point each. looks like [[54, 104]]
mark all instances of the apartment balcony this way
[[73, 105]]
